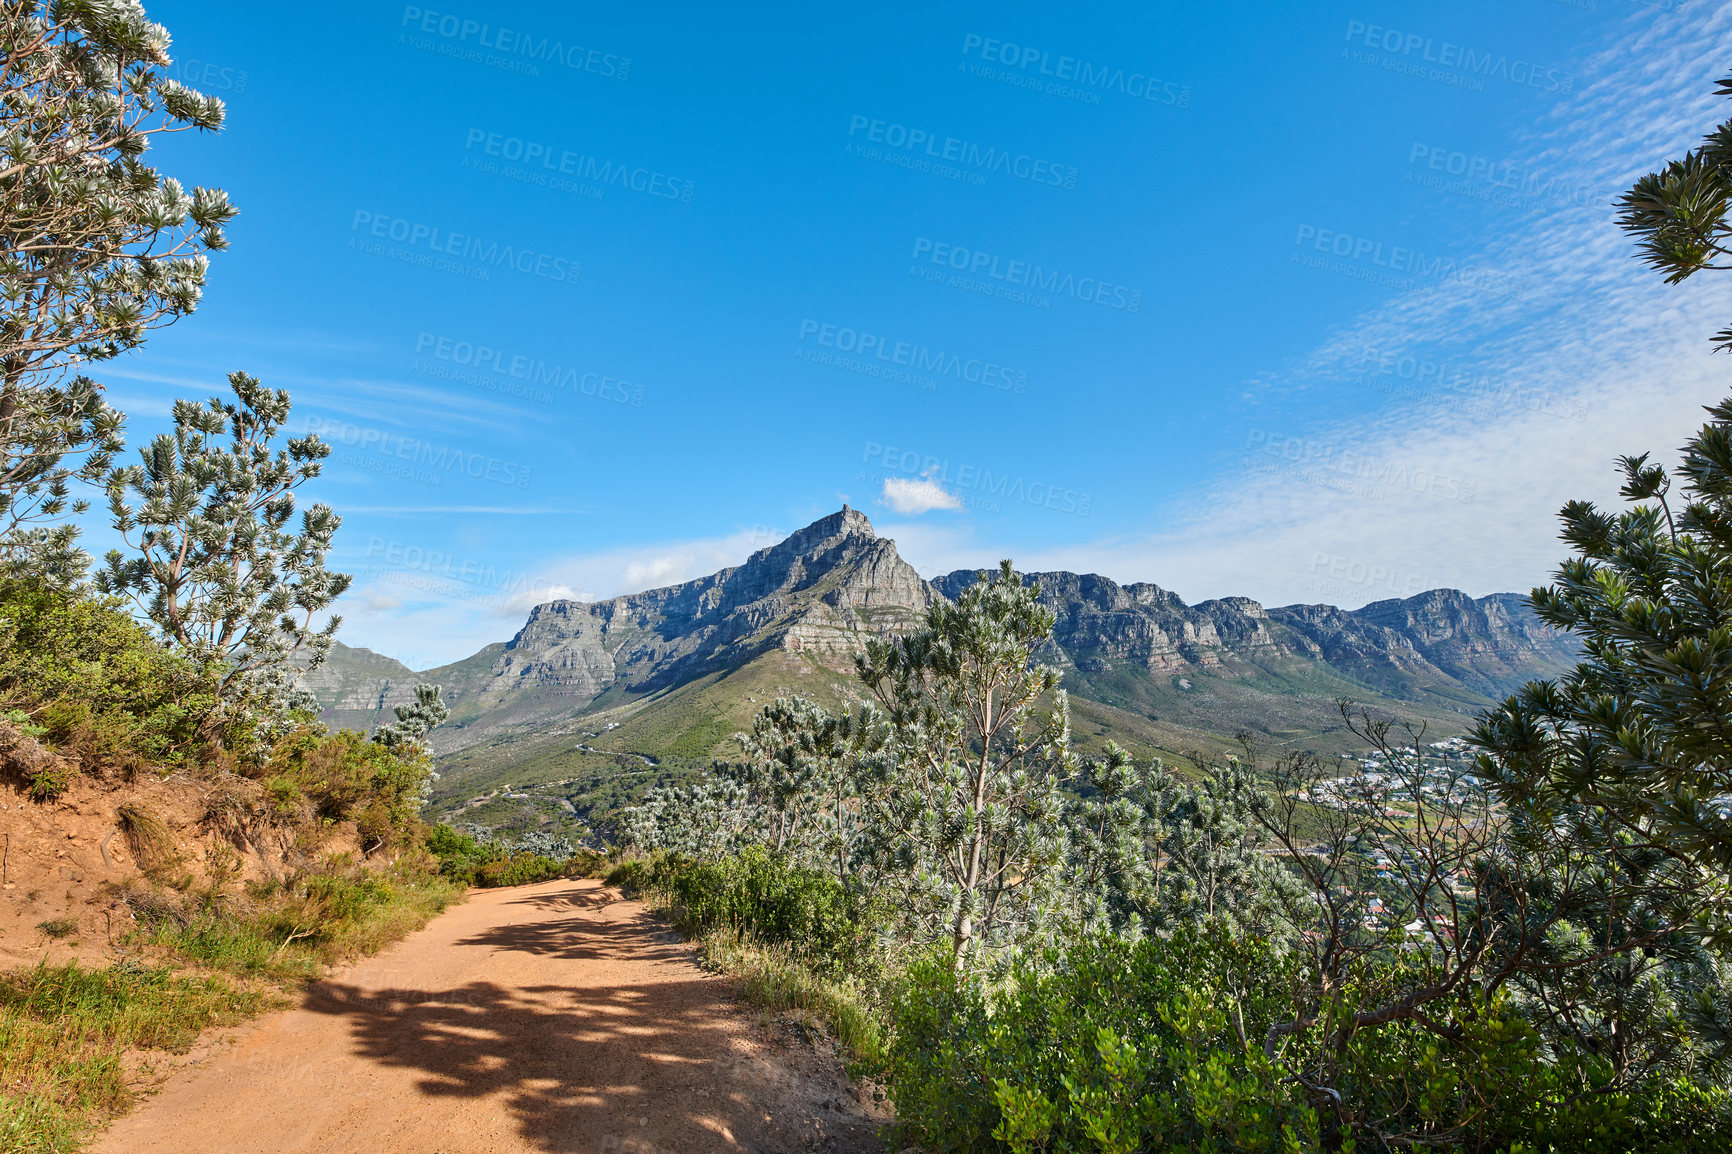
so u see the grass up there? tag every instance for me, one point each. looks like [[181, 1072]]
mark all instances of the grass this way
[[65, 1029], [772, 979], [290, 935]]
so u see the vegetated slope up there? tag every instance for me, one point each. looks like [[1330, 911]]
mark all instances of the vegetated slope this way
[[590, 703]]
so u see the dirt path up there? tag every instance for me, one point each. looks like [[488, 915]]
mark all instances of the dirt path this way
[[556, 1017]]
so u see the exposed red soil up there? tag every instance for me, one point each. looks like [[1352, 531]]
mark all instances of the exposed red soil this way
[[555, 1017], [67, 860]]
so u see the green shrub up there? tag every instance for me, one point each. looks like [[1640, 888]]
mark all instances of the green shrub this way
[[586, 863], [1158, 1045], [343, 776], [460, 856], [758, 895], [519, 869], [96, 682], [632, 876]]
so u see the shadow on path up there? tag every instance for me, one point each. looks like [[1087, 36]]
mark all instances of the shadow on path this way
[[617, 1060]]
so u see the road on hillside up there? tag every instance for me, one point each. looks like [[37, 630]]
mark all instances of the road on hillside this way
[[553, 1017]]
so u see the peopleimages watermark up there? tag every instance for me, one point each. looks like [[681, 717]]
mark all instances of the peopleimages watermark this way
[[401, 564], [1499, 182], [1333, 575], [923, 150], [1365, 258], [1019, 280], [565, 170], [508, 49], [430, 245], [977, 487], [415, 459], [904, 362], [210, 77], [516, 374], [1421, 378], [1331, 467], [1065, 76], [1394, 51]]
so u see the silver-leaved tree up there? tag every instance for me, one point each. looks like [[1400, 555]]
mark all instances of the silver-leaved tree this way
[[979, 747], [218, 565], [96, 248]]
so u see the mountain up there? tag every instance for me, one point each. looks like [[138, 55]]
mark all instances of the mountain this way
[[591, 699], [354, 685], [1441, 648], [819, 591], [817, 594]]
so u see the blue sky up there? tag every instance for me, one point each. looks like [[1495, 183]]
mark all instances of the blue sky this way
[[1313, 302]]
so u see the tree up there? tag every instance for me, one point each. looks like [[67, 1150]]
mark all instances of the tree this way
[[699, 819], [96, 247], [218, 568], [802, 772], [1151, 850], [1433, 913], [415, 720], [1211, 860], [1679, 215], [1640, 726], [407, 736], [974, 807]]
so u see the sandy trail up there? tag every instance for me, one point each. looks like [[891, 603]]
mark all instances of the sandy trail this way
[[555, 1017]]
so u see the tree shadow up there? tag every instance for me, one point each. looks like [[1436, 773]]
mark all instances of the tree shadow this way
[[641, 1066], [643, 937]]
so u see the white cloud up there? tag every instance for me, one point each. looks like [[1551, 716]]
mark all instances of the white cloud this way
[[518, 605], [911, 497]]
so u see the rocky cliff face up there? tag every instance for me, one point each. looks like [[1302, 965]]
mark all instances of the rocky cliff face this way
[[1454, 645], [820, 591], [356, 679]]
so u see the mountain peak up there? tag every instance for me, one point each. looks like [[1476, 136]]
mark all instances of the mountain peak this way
[[847, 523]]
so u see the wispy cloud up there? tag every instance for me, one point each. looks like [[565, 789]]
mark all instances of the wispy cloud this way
[[429, 613]]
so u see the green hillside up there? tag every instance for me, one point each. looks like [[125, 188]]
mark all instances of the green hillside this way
[[572, 775]]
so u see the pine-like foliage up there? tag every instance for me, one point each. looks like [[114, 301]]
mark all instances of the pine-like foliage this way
[[1679, 215], [796, 789], [1151, 851], [1642, 726], [218, 567], [96, 247], [957, 802]]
